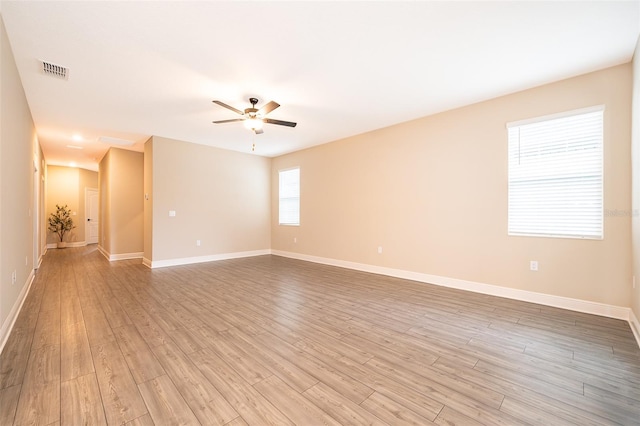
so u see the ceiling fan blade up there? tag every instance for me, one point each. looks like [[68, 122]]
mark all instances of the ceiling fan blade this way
[[258, 131], [228, 121], [266, 109], [280, 122], [222, 104]]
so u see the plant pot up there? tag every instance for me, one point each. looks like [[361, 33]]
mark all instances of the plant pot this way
[[62, 244]]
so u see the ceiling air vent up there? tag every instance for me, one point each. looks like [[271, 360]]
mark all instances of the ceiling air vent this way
[[55, 70]]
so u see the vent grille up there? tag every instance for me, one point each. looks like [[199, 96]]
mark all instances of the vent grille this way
[[55, 70]]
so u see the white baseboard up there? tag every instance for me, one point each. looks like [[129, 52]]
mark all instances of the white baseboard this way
[[103, 251], [635, 325], [8, 324], [73, 244], [119, 256], [126, 256], [578, 305], [201, 259]]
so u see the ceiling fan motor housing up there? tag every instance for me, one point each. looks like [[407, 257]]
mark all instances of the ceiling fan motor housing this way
[[251, 112]]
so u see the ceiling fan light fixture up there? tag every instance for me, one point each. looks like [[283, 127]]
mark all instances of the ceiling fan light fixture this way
[[253, 123]]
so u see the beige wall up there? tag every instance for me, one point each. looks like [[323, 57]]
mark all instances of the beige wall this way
[[104, 205], [148, 201], [635, 160], [62, 188], [121, 202], [127, 206], [19, 156], [221, 198], [41, 207], [433, 193], [67, 185]]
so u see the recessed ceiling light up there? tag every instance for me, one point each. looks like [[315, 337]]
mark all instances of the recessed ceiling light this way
[[72, 164], [78, 138], [75, 147]]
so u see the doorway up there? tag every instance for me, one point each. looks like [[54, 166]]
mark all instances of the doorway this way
[[91, 209]]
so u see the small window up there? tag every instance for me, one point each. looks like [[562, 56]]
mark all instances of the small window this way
[[555, 175], [289, 197]]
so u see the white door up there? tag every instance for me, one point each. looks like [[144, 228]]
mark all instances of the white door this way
[[91, 229]]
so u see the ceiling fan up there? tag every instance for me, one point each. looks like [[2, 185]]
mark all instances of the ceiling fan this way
[[254, 118]]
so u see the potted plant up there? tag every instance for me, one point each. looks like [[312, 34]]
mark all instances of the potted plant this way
[[60, 223]]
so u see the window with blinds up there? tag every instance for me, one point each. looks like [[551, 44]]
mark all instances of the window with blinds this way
[[555, 175], [289, 197]]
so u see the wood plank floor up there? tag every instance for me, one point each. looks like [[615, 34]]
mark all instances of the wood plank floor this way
[[270, 340]]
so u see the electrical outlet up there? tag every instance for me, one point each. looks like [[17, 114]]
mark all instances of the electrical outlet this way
[[533, 265], [295, 240], [379, 249], [14, 278], [198, 243], [172, 213]]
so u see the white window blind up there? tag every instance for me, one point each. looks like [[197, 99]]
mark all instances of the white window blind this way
[[289, 197], [555, 175]]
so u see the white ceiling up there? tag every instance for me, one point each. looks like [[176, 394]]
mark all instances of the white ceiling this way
[[338, 69]]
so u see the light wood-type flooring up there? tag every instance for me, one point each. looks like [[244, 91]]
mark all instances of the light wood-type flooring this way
[[270, 340]]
